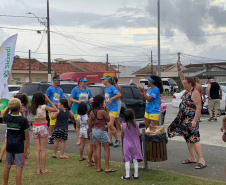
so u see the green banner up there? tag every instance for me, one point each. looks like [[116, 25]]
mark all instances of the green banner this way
[[3, 103]]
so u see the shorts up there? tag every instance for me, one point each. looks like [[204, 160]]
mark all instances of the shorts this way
[[60, 134], [119, 108], [52, 121], [100, 135], [154, 117], [92, 141], [113, 114], [40, 130], [214, 104], [76, 117], [6, 136], [15, 157], [83, 132]]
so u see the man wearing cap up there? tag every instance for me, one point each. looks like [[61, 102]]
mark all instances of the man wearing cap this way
[[54, 93], [80, 94], [215, 95]]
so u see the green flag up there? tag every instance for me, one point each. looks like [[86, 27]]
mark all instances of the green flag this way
[[3, 103]]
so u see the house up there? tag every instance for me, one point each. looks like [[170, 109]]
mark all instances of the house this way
[[39, 70], [20, 71]]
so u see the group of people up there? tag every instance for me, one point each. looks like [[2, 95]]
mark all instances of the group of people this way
[[95, 118]]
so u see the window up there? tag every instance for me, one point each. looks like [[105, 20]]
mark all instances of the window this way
[[165, 83], [137, 93], [127, 93], [95, 90], [172, 82], [17, 79], [38, 79]]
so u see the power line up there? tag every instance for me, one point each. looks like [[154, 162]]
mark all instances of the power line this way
[[42, 39], [19, 16]]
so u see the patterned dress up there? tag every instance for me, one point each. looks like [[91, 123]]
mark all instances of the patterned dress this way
[[181, 126]]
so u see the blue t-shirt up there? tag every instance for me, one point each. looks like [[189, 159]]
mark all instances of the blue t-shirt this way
[[79, 94], [109, 93], [54, 94], [153, 107]]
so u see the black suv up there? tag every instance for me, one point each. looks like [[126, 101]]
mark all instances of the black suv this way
[[131, 98], [31, 88]]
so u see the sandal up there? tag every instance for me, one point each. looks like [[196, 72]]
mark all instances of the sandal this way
[[188, 161], [46, 172], [200, 166], [78, 143], [111, 170], [54, 156], [64, 157], [82, 159]]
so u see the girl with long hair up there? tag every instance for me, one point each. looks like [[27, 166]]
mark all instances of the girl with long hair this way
[[40, 128]]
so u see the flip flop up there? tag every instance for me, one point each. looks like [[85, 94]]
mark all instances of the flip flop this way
[[46, 172], [187, 162], [64, 157], [100, 170], [54, 156], [200, 166], [82, 159], [111, 170], [78, 143]]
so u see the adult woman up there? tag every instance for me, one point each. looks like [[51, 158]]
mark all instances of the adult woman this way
[[118, 124], [111, 96], [186, 123], [152, 98], [80, 94]]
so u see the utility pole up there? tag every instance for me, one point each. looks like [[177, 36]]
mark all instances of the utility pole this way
[[178, 54], [48, 44], [118, 70], [152, 73], [159, 66], [29, 65], [107, 61]]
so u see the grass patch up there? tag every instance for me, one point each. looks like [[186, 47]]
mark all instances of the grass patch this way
[[72, 172]]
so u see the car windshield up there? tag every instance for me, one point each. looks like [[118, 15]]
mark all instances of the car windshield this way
[[29, 89], [96, 90], [172, 82], [13, 88], [205, 90]]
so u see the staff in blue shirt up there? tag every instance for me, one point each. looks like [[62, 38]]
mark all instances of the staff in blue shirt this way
[[152, 98], [54, 93], [80, 94], [111, 96]]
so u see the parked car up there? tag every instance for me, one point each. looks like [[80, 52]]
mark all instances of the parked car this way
[[14, 87], [177, 100], [168, 83], [131, 98], [31, 88]]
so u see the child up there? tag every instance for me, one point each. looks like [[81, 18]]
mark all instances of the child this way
[[60, 132], [17, 126], [97, 121], [131, 143], [83, 121], [23, 112], [40, 129]]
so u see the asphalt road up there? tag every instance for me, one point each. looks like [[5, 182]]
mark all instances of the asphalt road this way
[[214, 149]]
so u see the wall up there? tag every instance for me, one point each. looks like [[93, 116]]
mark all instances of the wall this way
[[35, 75]]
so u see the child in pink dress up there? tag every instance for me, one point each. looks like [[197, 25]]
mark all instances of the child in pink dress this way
[[131, 143]]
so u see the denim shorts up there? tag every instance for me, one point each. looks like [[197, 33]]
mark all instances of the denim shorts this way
[[17, 157], [100, 135]]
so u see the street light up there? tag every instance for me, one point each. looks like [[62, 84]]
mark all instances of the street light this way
[[46, 24]]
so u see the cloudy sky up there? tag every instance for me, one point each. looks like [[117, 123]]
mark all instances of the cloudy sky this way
[[126, 30]]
